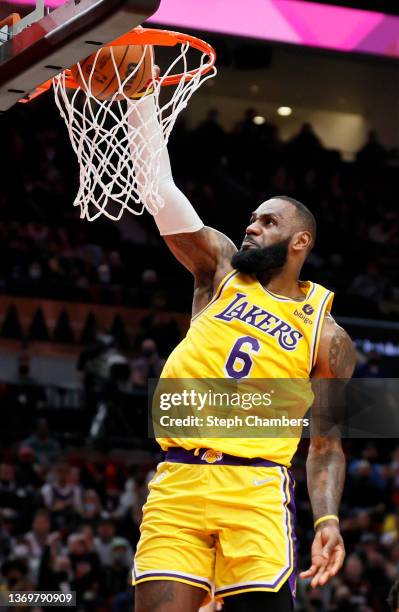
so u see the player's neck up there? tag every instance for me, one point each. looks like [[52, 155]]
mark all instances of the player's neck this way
[[282, 283]]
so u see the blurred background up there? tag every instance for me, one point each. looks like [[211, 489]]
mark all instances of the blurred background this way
[[305, 104]]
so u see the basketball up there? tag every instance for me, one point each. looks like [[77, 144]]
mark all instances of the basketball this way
[[104, 80]]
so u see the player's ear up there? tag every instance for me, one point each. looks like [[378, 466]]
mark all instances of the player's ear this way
[[301, 241]]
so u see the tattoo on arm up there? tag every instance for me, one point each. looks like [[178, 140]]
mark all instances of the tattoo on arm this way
[[226, 248], [342, 355], [325, 465], [326, 476], [203, 252]]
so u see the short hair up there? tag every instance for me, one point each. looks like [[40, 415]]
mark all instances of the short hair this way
[[305, 215]]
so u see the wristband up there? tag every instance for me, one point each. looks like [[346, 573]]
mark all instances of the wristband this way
[[326, 517]]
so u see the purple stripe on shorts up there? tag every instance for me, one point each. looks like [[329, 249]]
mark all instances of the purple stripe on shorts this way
[[161, 575], [292, 511], [292, 538], [181, 455], [250, 585]]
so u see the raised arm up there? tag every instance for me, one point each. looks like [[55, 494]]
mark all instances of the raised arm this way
[[326, 461], [202, 250]]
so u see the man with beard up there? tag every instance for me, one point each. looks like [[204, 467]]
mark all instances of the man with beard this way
[[219, 519]]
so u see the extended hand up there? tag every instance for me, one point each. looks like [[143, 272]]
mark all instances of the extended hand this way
[[328, 554]]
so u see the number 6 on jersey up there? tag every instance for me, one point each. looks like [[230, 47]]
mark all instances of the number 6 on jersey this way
[[239, 362]]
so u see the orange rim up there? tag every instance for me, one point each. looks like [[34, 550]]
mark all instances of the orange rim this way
[[162, 38], [10, 21]]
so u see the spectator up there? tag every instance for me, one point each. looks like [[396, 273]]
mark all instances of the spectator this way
[[372, 368], [372, 152], [61, 497], [306, 147], [117, 573], [11, 497], [370, 289], [148, 365], [105, 540], [354, 577], [86, 569], [27, 475], [15, 573], [367, 485], [45, 448], [37, 538], [91, 507], [161, 327], [208, 131]]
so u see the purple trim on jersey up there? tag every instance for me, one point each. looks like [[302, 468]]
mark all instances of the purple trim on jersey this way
[[217, 295], [176, 575], [282, 298], [311, 292], [290, 507], [292, 511], [316, 332], [176, 454]]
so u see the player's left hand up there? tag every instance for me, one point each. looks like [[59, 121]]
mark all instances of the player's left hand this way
[[328, 554]]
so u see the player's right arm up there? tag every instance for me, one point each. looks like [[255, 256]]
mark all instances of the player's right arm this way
[[204, 251], [325, 464], [207, 254]]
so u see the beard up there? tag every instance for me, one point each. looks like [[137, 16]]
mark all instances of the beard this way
[[262, 259]]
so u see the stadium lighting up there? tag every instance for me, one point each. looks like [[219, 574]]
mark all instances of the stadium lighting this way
[[258, 120], [284, 111]]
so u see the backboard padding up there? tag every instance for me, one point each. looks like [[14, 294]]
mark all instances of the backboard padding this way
[[62, 38]]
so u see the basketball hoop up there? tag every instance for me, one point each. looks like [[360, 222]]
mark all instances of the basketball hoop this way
[[118, 168]]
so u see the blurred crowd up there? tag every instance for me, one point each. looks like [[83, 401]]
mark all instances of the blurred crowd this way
[[71, 522], [47, 252]]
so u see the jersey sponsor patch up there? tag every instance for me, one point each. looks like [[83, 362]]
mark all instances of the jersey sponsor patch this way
[[308, 309], [305, 319]]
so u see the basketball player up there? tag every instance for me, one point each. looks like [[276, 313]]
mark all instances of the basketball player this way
[[219, 516]]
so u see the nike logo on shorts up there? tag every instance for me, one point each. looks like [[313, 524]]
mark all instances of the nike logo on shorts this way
[[257, 483]]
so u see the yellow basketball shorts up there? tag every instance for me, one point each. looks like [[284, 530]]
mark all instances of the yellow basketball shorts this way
[[218, 522]]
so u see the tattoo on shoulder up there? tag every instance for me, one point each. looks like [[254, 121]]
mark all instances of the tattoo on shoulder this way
[[342, 355], [226, 247]]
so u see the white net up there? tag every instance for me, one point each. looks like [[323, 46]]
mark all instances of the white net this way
[[119, 159]]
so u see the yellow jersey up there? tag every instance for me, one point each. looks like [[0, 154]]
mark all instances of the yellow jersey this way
[[248, 332]]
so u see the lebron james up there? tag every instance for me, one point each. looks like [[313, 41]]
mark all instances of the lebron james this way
[[219, 519]]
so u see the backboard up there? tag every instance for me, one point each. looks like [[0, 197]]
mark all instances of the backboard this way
[[35, 49]]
